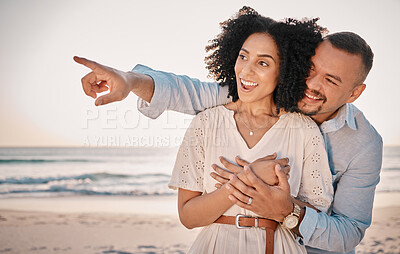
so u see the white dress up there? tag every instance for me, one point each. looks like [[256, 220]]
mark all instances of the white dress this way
[[214, 133]]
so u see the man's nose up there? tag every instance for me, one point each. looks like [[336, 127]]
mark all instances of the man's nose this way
[[313, 82]]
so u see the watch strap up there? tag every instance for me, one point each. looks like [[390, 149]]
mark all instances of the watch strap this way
[[296, 210]]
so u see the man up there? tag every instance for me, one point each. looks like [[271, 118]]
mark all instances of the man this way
[[339, 68]]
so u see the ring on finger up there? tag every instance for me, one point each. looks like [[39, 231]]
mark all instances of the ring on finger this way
[[250, 201]]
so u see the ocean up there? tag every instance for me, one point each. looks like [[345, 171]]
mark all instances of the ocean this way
[[47, 172], [34, 172]]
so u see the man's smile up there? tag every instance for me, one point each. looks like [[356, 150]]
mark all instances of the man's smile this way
[[313, 96]]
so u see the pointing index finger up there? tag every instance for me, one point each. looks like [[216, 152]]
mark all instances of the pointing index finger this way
[[86, 62]]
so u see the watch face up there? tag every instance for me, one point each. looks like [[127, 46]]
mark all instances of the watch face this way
[[291, 222]]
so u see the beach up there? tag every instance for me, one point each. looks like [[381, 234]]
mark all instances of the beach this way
[[105, 224], [92, 224], [116, 200]]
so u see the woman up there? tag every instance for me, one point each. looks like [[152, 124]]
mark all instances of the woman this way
[[265, 64]]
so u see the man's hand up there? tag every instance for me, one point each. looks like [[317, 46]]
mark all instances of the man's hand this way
[[271, 202], [103, 78], [263, 167]]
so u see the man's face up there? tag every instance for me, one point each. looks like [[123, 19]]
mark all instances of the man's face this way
[[333, 81]]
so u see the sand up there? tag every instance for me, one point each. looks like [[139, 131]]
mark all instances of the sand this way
[[137, 225]]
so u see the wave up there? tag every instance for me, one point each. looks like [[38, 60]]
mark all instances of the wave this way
[[24, 161], [62, 190], [84, 177], [99, 183]]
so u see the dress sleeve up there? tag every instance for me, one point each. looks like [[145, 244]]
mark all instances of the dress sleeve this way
[[316, 182], [180, 93], [188, 172]]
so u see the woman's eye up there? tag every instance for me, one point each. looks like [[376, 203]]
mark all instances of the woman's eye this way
[[242, 57], [262, 63]]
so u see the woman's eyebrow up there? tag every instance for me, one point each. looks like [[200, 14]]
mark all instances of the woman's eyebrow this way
[[261, 55]]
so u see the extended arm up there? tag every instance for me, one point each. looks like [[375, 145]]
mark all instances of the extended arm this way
[[157, 91], [179, 93]]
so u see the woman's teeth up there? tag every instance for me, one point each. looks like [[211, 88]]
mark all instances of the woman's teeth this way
[[247, 83]]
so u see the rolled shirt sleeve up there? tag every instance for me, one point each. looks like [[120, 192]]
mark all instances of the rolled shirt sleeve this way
[[180, 93]]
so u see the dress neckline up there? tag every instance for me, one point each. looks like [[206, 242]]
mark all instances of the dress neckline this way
[[237, 133]]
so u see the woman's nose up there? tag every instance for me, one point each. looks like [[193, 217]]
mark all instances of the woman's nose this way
[[247, 68]]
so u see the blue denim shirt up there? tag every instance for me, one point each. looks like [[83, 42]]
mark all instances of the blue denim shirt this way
[[354, 150]]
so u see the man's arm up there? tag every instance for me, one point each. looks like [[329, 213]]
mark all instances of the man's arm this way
[[351, 213], [179, 93], [157, 91]]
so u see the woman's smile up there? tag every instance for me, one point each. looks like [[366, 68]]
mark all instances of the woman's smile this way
[[247, 86]]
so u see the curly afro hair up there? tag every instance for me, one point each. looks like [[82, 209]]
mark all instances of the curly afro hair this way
[[296, 41]]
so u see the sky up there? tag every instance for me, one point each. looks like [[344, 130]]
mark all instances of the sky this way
[[41, 99]]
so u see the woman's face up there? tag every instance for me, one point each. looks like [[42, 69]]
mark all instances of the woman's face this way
[[257, 68]]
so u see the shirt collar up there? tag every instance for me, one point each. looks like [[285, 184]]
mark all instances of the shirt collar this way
[[345, 115]]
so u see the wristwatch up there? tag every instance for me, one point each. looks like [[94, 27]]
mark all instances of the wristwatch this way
[[292, 219]]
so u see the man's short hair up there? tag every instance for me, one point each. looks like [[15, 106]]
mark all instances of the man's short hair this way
[[354, 44]]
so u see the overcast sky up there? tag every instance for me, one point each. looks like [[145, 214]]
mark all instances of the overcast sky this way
[[41, 99]]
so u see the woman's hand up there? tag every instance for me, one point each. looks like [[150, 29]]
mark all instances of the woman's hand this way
[[264, 168]]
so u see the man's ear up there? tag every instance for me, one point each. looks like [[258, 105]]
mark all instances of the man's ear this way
[[357, 91]]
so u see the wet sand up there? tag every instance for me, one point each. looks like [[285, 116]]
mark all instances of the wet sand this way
[[137, 225]]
